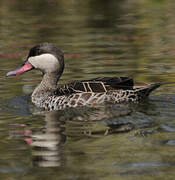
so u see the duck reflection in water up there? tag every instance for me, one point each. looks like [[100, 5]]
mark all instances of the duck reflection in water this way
[[48, 144], [48, 141]]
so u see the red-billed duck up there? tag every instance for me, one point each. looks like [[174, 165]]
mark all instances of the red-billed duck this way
[[49, 59]]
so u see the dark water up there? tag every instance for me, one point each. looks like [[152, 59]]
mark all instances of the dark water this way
[[99, 38]]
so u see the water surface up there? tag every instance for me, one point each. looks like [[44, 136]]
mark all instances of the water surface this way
[[99, 38]]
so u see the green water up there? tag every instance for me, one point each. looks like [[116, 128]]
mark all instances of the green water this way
[[99, 38]]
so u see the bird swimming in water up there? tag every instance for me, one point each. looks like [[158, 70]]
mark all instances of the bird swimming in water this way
[[49, 59]]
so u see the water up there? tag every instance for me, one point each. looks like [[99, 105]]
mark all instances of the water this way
[[99, 38]]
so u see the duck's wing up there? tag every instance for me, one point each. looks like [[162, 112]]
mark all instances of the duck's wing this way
[[96, 85]]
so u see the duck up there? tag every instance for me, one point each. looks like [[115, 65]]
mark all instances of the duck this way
[[49, 59]]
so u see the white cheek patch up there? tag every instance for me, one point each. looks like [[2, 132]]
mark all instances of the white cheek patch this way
[[46, 62]]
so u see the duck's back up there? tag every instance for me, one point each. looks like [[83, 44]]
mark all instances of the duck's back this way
[[96, 85]]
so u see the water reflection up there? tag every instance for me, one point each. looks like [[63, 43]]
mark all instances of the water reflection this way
[[48, 141]]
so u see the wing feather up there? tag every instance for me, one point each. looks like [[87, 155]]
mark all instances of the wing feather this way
[[96, 85]]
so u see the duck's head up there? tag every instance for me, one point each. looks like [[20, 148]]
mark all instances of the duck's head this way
[[45, 56]]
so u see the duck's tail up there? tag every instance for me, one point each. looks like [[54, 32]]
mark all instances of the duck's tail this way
[[146, 90]]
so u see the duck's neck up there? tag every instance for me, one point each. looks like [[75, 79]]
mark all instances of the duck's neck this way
[[47, 86]]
